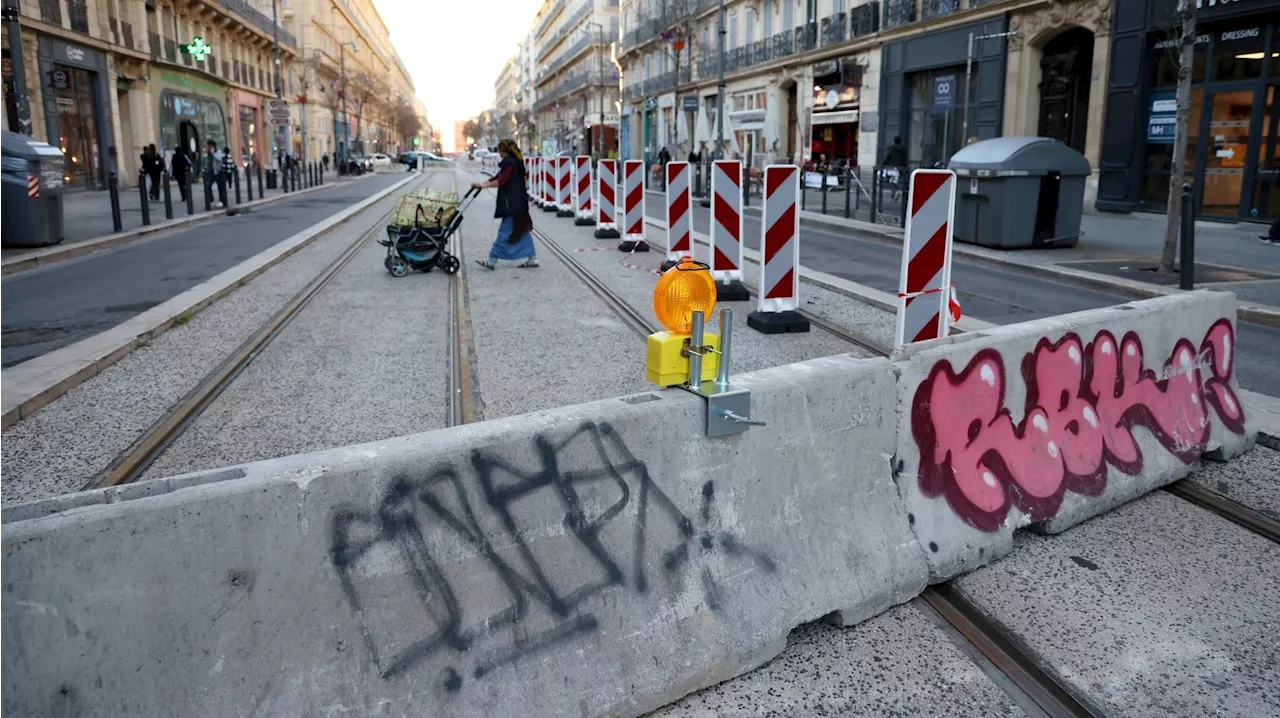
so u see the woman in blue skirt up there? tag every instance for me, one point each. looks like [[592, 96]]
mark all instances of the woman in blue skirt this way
[[515, 233]]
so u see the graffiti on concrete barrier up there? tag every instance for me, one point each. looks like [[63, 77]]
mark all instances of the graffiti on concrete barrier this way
[[458, 539], [1082, 406]]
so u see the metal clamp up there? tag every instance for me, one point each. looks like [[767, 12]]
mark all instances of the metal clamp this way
[[728, 407]]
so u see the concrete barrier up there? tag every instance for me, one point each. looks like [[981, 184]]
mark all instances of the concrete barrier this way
[[1055, 421], [601, 559]]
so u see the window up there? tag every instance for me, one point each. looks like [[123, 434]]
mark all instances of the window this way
[[733, 29], [1238, 54], [769, 10], [751, 25], [1165, 67], [788, 15], [839, 6]]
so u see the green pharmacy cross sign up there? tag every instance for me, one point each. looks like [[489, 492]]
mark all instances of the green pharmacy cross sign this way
[[198, 49]]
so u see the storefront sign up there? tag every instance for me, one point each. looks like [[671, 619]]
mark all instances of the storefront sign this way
[[78, 55], [650, 103], [1162, 119], [60, 79], [691, 104], [198, 49], [944, 92], [1173, 42]]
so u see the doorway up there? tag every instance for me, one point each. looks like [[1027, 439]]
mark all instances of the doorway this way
[[1265, 200], [792, 120], [74, 98], [1228, 116], [1065, 75]]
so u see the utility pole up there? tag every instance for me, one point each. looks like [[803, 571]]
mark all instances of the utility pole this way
[[1186, 13], [13, 24], [719, 153], [275, 41], [346, 122], [600, 71]]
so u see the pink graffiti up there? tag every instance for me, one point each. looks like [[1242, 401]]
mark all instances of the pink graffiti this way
[[1083, 403]]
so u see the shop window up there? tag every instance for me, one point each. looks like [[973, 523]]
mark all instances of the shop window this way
[[1165, 67], [1274, 69], [1159, 158], [1238, 54]]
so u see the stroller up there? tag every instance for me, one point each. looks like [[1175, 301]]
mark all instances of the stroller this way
[[423, 246]]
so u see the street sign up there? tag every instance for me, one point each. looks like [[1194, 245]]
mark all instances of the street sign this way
[[279, 120], [690, 104], [944, 92], [1162, 118]]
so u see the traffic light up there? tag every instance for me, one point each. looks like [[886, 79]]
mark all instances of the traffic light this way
[[416, 142]]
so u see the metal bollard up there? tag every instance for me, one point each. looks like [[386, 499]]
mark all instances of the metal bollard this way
[[114, 190], [248, 185], [168, 199], [191, 197], [824, 189], [235, 178], [1187, 258], [283, 174], [222, 190], [262, 193], [746, 187], [146, 202], [208, 192], [848, 185], [295, 178]]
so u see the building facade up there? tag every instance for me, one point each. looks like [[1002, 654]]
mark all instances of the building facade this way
[[349, 92], [504, 99], [1233, 148], [838, 80], [574, 77], [104, 80]]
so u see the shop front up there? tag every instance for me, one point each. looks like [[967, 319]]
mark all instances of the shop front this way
[[192, 112], [77, 110], [926, 94], [837, 88], [1233, 136], [249, 113]]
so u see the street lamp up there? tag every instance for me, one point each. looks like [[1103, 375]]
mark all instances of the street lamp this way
[[346, 121], [600, 79]]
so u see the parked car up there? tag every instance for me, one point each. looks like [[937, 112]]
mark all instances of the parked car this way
[[410, 159], [379, 160]]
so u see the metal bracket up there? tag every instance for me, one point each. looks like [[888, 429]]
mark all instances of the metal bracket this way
[[728, 406]]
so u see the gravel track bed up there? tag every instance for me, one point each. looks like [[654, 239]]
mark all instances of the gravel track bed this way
[[1252, 480], [64, 445]]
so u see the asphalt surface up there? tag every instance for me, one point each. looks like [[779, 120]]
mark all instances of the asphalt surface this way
[[993, 294], [48, 308]]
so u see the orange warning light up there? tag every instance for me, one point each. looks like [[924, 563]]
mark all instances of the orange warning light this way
[[682, 290]]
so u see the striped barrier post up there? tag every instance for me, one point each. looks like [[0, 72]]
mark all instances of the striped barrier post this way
[[633, 207], [925, 295], [779, 254], [564, 193], [528, 172], [726, 231], [679, 214], [548, 185], [606, 206], [582, 191]]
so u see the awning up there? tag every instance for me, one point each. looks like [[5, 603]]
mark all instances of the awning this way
[[835, 118]]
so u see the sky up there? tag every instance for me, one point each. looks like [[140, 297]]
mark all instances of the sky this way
[[454, 50]]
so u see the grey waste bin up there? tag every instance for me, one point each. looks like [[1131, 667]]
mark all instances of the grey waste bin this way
[[1019, 192], [29, 167]]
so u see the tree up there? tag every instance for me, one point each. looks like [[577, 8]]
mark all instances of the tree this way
[[1186, 15], [360, 90]]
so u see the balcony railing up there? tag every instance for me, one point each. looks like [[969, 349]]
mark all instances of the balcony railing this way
[[564, 58], [569, 26], [898, 13], [126, 29], [806, 37], [226, 69], [235, 70], [834, 29], [154, 40], [51, 11], [263, 23], [938, 8], [170, 50], [78, 14], [552, 11], [864, 19]]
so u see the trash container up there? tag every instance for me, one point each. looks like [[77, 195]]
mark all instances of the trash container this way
[[1019, 192], [31, 198]]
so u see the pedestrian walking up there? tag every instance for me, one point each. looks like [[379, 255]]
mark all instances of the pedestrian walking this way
[[326, 163], [178, 169], [228, 164], [213, 171], [152, 166], [515, 231], [894, 165], [663, 156]]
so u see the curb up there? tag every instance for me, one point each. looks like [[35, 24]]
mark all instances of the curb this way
[[33, 384], [56, 253]]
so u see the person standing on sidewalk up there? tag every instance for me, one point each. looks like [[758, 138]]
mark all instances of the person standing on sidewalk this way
[[154, 169], [213, 170], [515, 231], [178, 168]]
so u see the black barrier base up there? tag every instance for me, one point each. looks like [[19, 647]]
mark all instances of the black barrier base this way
[[732, 291], [550, 208], [777, 322], [607, 234], [584, 222], [633, 245], [565, 213]]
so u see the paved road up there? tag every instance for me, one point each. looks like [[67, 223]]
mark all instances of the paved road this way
[[49, 308], [994, 294]]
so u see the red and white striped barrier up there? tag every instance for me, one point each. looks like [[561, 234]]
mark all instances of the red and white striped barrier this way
[[606, 206], [780, 254], [564, 192], [529, 164], [925, 294], [726, 231], [548, 184], [489, 164], [582, 191], [33, 186], [633, 207], [679, 215]]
